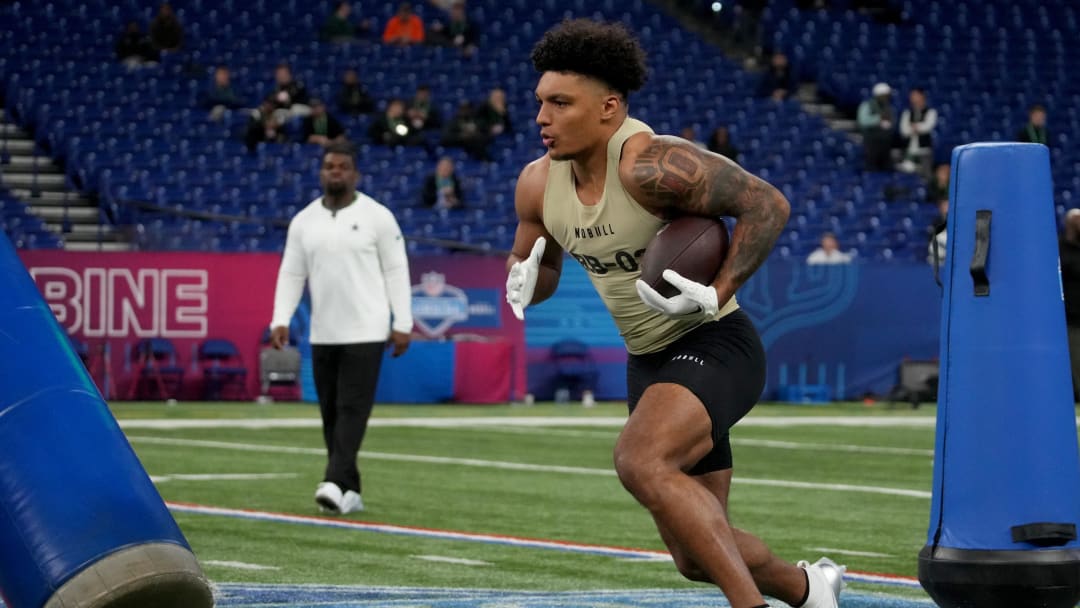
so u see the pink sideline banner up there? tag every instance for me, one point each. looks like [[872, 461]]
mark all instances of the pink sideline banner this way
[[463, 298], [115, 299]]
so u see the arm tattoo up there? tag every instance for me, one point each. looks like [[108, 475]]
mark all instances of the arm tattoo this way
[[667, 173], [674, 174]]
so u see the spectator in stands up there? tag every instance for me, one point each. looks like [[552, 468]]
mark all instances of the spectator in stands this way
[[338, 27], [938, 241], [778, 82], [290, 97], [720, 143], [917, 123], [937, 187], [457, 32], [493, 114], [405, 28], [133, 48], [465, 131], [166, 32], [221, 95], [393, 128], [265, 125], [1069, 254], [829, 252], [937, 232], [353, 97], [422, 112], [875, 119], [442, 189], [348, 249], [1035, 129], [320, 127]]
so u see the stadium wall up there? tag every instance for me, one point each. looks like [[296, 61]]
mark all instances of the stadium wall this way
[[845, 328], [841, 329], [116, 299]]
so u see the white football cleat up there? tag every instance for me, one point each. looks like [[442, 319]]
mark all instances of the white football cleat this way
[[351, 503], [328, 495], [826, 579]]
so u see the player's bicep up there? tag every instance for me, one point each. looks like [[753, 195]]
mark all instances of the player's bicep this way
[[673, 173], [528, 204]]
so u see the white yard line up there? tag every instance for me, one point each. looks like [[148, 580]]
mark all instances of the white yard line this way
[[831, 551], [848, 421], [526, 426], [830, 447], [757, 443], [514, 466], [655, 558], [521, 421], [227, 445], [237, 565], [223, 423], [473, 462], [451, 560], [220, 477], [836, 487], [545, 431], [349, 524]]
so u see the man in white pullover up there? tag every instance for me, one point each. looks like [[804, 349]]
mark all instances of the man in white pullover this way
[[349, 250]]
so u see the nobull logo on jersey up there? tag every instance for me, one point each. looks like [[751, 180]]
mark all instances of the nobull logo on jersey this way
[[438, 306], [592, 232]]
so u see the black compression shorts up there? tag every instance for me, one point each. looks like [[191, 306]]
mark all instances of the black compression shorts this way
[[722, 362]]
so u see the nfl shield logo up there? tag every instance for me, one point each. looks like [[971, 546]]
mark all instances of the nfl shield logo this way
[[436, 305], [432, 283]]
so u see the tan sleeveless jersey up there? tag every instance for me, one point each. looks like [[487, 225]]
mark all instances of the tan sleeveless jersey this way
[[608, 240]]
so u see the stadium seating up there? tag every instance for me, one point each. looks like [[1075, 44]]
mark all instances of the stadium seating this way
[[156, 370], [26, 230], [983, 63], [223, 370], [139, 140], [575, 368]]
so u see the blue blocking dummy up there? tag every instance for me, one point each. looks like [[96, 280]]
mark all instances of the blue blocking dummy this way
[[1006, 499], [81, 524]]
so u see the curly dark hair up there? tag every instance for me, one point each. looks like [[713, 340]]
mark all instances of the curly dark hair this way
[[607, 52]]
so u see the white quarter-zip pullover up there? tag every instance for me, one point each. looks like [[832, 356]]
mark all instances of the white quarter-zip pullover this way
[[355, 265]]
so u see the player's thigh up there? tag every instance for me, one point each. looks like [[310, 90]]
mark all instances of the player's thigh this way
[[669, 426], [723, 364], [691, 393]]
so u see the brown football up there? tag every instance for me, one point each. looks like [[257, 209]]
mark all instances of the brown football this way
[[692, 246]]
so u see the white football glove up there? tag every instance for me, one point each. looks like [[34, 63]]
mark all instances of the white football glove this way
[[522, 279], [694, 298]]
